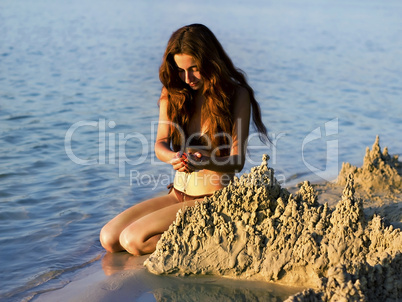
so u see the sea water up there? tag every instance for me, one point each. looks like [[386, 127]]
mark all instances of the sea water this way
[[78, 109]]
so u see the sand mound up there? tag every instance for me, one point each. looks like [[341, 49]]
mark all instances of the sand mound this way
[[254, 229], [378, 173]]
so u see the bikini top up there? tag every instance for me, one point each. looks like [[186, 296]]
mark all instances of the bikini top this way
[[203, 142], [198, 141]]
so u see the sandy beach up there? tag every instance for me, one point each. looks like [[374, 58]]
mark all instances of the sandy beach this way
[[128, 280], [257, 241]]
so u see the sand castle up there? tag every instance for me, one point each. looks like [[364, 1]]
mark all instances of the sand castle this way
[[255, 229], [380, 171]]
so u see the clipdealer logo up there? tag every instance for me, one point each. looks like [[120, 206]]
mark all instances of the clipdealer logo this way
[[107, 147], [111, 148], [328, 133]]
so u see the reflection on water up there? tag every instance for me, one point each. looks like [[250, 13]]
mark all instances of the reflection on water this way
[[134, 280], [116, 262]]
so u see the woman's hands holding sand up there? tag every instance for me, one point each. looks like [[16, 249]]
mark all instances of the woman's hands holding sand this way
[[187, 162]]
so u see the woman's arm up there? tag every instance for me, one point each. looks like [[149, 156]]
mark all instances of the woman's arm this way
[[235, 161], [162, 144]]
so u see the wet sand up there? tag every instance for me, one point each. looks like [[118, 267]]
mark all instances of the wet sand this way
[[122, 277]]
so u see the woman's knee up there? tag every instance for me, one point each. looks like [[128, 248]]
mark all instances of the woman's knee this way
[[130, 241], [109, 239]]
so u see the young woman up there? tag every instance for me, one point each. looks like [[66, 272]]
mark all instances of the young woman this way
[[205, 109]]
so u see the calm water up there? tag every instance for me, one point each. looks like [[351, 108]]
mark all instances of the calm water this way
[[78, 92]]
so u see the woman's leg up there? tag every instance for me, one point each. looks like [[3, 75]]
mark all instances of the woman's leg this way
[[110, 233], [141, 236]]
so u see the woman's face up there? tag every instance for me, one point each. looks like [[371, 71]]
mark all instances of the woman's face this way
[[188, 71]]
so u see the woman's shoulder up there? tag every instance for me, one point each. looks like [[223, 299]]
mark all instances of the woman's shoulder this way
[[241, 91], [241, 95], [163, 99]]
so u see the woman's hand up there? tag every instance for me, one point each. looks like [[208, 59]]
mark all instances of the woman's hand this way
[[178, 162], [187, 162], [197, 161]]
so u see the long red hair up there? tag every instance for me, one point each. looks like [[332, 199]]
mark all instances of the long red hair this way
[[221, 78]]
